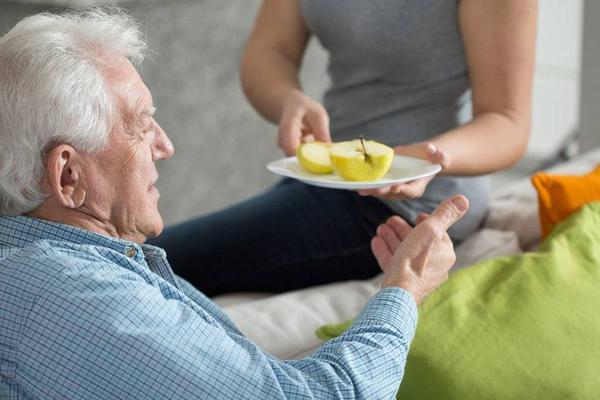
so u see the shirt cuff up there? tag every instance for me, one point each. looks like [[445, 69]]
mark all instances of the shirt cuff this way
[[393, 306]]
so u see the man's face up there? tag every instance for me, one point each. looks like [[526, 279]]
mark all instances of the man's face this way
[[121, 178]]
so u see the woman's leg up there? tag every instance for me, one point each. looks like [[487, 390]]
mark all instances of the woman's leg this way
[[290, 237]]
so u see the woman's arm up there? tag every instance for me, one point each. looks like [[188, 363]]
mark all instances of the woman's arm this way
[[499, 40], [271, 60], [270, 75]]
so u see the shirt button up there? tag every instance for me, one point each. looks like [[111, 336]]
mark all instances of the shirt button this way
[[130, 252]]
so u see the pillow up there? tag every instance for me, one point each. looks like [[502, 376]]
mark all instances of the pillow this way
[[483, 245], [520, 327], [515, 209], [561, 195]]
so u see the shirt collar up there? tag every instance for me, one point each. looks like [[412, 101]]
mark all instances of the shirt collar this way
[[18, 231]]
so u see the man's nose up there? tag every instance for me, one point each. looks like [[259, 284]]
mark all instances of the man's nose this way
[[163, 148]]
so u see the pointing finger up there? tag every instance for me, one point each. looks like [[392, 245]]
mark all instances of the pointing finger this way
[[449, 211]]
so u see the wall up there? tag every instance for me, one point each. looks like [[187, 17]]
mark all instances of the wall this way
[[590, 91], [557, 74], [222, 145]]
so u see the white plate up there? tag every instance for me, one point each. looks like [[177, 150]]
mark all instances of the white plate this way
[[403, 169]]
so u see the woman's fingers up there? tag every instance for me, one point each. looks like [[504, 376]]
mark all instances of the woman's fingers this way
[[425, 150], [317, 122], [413, 189], [410, 190], [379, 192], [290, 134], [307, 137], [302, 119], [436, 155]]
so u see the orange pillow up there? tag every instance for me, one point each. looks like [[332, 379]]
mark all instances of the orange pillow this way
[[561, 195]]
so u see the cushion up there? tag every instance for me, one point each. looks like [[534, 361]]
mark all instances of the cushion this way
[[561, 195], [519, 327], [514, 207], [483, 245]]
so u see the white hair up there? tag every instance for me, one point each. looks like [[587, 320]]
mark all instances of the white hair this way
[[53, 91]]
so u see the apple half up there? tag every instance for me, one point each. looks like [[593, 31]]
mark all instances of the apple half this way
[[314, 157], [361, 160]]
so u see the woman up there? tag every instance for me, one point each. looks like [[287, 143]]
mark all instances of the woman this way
[[449, 81]]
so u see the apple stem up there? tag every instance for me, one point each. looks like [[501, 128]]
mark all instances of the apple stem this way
[[367, 157]]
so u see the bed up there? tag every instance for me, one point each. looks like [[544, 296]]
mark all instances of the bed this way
[[284, 325]]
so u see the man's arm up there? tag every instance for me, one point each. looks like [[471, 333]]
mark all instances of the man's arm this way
[[96, 333], [128, 341]]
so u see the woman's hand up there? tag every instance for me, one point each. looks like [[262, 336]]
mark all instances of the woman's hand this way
[[413, 189], [302, 120]]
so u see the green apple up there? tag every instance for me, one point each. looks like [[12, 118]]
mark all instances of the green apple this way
[[314, 157], [361, 160]]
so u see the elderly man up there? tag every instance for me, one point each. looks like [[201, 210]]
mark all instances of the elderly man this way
[[90, 312]]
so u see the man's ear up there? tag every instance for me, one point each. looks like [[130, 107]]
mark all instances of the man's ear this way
[[64, 168]]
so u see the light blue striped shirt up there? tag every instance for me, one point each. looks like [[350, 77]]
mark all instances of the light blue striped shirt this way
[[86, 316]]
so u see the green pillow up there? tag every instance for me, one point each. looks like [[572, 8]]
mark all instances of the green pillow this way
[[520, 327]]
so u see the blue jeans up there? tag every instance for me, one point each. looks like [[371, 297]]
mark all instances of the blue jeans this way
[[292, 236]]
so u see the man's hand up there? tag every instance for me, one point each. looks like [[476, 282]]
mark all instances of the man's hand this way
[[418, 259]]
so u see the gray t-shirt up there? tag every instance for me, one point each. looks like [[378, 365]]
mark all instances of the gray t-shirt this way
[[399, 75]]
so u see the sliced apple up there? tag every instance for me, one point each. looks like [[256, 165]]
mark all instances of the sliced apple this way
[[361, 160], [314, 157]]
